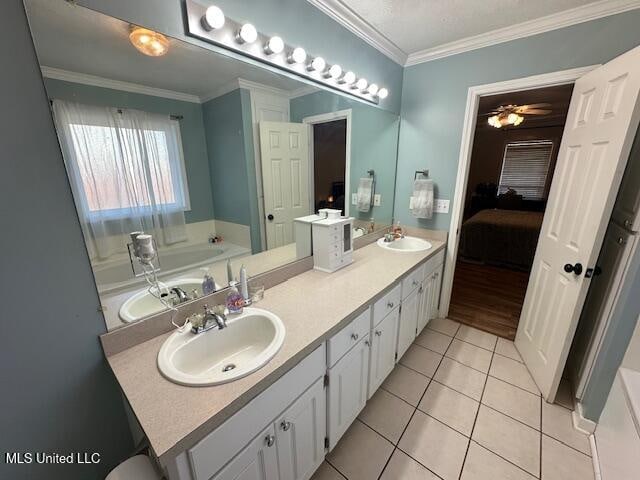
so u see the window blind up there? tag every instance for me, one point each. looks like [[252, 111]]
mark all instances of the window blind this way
[[525, 168]]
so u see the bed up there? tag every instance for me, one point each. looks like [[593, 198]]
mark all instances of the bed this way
[[501, 237]]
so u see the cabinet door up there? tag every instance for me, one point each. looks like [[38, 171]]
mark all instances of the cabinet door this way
[[426, 302], [408, 321], [383, 350], [300, 433], [258, 461], [347, 390], [435, 293]]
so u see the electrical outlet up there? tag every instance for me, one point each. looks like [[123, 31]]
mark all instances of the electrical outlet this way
[[377, 200], [354, 199], [441, 206]]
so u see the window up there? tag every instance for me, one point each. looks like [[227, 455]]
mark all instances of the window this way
[[124, 163], [525, 168]]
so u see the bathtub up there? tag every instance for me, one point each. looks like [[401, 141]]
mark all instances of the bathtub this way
[[116, 275]]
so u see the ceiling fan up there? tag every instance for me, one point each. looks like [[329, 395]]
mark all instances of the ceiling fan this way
[[514, 114]]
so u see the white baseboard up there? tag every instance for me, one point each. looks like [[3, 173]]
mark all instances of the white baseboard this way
[[594, 458], [580, 423]]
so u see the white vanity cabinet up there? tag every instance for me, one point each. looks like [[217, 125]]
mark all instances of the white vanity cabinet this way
[[300, 433], [347, 390], [411, 297], [258, 461], [431, 286], [383, 350]]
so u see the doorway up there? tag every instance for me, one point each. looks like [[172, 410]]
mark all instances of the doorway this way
[[515, 147]]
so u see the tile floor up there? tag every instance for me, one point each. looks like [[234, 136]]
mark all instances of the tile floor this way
[[460, 405]]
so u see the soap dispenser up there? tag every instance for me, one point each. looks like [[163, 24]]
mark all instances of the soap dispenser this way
[[235, 302]]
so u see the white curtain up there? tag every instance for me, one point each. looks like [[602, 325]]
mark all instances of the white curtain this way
[[126, 170]]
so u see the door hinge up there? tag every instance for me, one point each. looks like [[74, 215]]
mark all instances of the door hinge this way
[[396, 356], [326, 380], [326, 443], [400, 309]]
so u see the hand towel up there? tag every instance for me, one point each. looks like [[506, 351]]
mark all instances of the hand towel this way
[[422, 206], [364, 194]]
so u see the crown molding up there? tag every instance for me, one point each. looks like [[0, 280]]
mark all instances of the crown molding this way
[[93, 80], [302, 91], [346, 17], [566, 18]]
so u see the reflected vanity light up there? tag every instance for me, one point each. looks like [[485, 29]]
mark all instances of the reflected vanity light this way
[[247, 34], [210, 24], [298, 55], [213, 18], [318, 64], [275, 45]]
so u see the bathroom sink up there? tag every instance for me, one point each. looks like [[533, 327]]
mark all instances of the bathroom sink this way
[[143, 304], [216, 356], [406, 244]]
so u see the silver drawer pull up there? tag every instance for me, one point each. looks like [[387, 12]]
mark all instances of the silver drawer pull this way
[[415, 283], [354, 336], [269, 440], [390, 304], [378, 333], [284, 425], [367, 343], [627, 223]]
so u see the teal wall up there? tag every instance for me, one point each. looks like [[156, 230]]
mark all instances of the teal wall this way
[[191, 129], [296, 21], [434, 95], [374, 143], [229, 138]]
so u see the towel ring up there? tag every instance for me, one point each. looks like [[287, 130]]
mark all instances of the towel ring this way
[[424, 173]]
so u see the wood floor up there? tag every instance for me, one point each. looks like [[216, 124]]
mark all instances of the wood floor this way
[[488, 298]]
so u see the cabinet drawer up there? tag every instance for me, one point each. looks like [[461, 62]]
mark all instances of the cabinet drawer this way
[[412, 281], [433, 263], [386, 304], [346, 338]]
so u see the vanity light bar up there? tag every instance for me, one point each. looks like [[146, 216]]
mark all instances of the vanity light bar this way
[[208, 22]]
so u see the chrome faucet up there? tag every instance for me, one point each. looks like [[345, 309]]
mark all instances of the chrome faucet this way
[[181, 295], [211, 318]]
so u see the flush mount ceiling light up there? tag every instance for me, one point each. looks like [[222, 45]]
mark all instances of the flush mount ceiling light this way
[[147, 41], [247, 34], [298, 55], [383, 93], [335, 71], [213, 18], [275, 45], [318, 64]]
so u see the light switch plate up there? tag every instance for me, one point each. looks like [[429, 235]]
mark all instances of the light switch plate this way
[[441, 206], [354, 199], [377, 200], [411, 203]]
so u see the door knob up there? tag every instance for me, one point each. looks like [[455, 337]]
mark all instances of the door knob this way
[[270, 217], [576, 269], [269, 440]]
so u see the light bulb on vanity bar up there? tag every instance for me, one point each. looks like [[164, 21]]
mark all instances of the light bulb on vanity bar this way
[[318, 64], [361, 84], [298, 55], [213, 18], [275, 45], [247, 34]]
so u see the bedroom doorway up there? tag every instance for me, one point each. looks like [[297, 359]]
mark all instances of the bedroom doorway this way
[[513, 158]]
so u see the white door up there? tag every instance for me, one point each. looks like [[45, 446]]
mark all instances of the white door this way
[[300, 433], [258, 461], [383, 351], [601, 123], [408, 321], [284, 153], [347, 390]]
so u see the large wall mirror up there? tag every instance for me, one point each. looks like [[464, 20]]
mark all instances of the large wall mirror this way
[[212, 156]]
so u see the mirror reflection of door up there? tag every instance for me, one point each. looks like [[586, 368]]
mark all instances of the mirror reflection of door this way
[[329, 164]]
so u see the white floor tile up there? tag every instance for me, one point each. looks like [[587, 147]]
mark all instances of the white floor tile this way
[[477, 337], [407, 384], [509, 439], [387, 415], [421, 360], [436, 341], [436, 446], [444, 325], [557, 422], [512, 401], [326, 472], [481, 464], [512, 372], [461, 378], [402, 466], [470, 355], [507, 348], [450, 407], [560, 462]]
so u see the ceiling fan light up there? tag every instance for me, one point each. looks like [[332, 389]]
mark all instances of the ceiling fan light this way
[[519, 120], [512, 118]]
